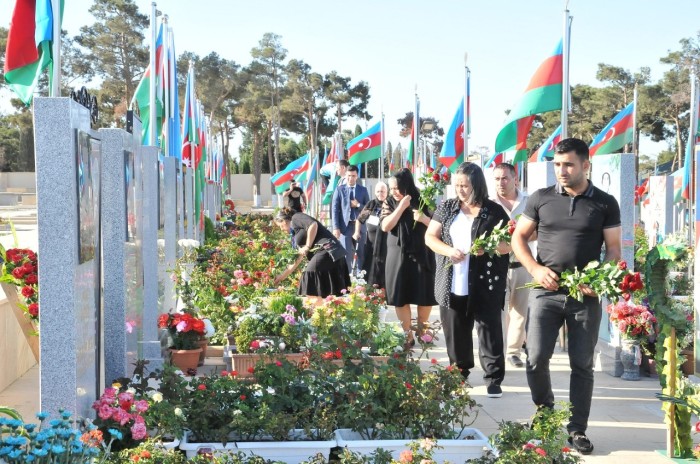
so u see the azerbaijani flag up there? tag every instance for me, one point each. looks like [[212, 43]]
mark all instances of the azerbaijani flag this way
[[546, 151], [616, 134], [495, 160], [366, 146], [189, 130], [411, 147], [452, 152], [331, 156], [543, 94], [311, 177], [143, 93], [28, 50], [282, 179]]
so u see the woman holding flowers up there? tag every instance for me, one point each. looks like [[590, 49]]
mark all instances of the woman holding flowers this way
[[410, 265], [326, 272], [470, 289]]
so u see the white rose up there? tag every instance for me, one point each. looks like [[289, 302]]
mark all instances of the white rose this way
[[282, 346], [178, 412], [157, 397]]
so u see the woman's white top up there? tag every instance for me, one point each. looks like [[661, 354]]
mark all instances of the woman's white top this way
[[461, 234]]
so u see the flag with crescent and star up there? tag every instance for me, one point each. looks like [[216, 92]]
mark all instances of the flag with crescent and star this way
[[282, 179], [616, 134], [452, 152], [366, 146], [546, 151], [543, 94]]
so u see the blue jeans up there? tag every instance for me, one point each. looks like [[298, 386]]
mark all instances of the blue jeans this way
[[547, 312]]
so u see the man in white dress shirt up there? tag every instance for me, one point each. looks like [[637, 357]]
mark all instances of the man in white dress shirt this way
[[513, 200]]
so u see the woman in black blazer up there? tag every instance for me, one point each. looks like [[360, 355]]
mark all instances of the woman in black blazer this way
[[470, 288]]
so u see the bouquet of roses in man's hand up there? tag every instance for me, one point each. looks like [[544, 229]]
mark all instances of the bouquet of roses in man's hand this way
[[488, 243], [608, 280]]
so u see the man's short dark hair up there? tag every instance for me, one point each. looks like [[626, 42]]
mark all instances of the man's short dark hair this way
[[352, 168], [343, 162], [506, 167], [578, 146]]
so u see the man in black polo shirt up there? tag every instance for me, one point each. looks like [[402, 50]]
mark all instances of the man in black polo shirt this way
[[573, 220]]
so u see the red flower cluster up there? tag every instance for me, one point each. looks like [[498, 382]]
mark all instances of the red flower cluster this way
[[181, 322], [634, 321], [511, 226], [631, 282], [120, 410], [23, 267], [328, 355]]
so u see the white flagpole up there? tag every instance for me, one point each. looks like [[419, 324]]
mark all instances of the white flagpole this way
[[692, 137], [55, 90], [381, 156], [565, 77], [166, 81], [635, 148], [416, 130], [152, 90], [465, 133]]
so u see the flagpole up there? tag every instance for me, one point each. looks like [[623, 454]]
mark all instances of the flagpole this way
[[55, 90], [166, 81], [381, 156], [692, 138], [152, 82], [467, 75], [635, 147], [565, 76], [416, 131]]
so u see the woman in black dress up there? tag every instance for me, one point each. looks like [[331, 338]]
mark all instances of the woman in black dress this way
[[326, 272], [375, 247], [410, 265]]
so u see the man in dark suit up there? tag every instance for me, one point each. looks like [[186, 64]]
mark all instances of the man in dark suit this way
[[348, 201]]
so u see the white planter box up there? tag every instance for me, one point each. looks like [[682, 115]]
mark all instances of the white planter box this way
[[471, 444], [292, 452]]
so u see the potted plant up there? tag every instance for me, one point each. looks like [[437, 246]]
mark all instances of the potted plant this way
[[286, 413], [185, 331], [392, 404], [635, 323], [544, 441]]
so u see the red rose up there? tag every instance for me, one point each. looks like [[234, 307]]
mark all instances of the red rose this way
[[626, 296], [251, 370], [18, 272], [278, 363], [27, 291], [28, 268], [338, 354], [201, 386], [436, 177], [445, 177], [408, 385], [327, 355], [243, 397], [622, 265], [33, 309], [31, 279], [234, 373], [431, 170], [433, 361]]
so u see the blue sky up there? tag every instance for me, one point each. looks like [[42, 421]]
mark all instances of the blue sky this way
[[397, 45]]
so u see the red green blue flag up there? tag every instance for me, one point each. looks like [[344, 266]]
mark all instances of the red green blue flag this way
[[543, 94], [28, 50], [143, 93], [452, 152], [495, 160], [282, 179], [546, 151], [366, 146], [616, 134]]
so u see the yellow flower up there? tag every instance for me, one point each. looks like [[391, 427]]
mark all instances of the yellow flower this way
[[117, 385]]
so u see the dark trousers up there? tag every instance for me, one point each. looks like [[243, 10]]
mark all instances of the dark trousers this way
[[349, 244], [547, 312], [457, 325]]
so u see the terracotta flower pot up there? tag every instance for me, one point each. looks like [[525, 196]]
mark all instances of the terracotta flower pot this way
[[185, 359], [203, 346]]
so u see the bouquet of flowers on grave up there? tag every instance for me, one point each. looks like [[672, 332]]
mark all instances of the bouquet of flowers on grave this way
[[120, 410], [488, 243], [433, 186], [634, 321], [21, 268], [609, 280], [185, 330]]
